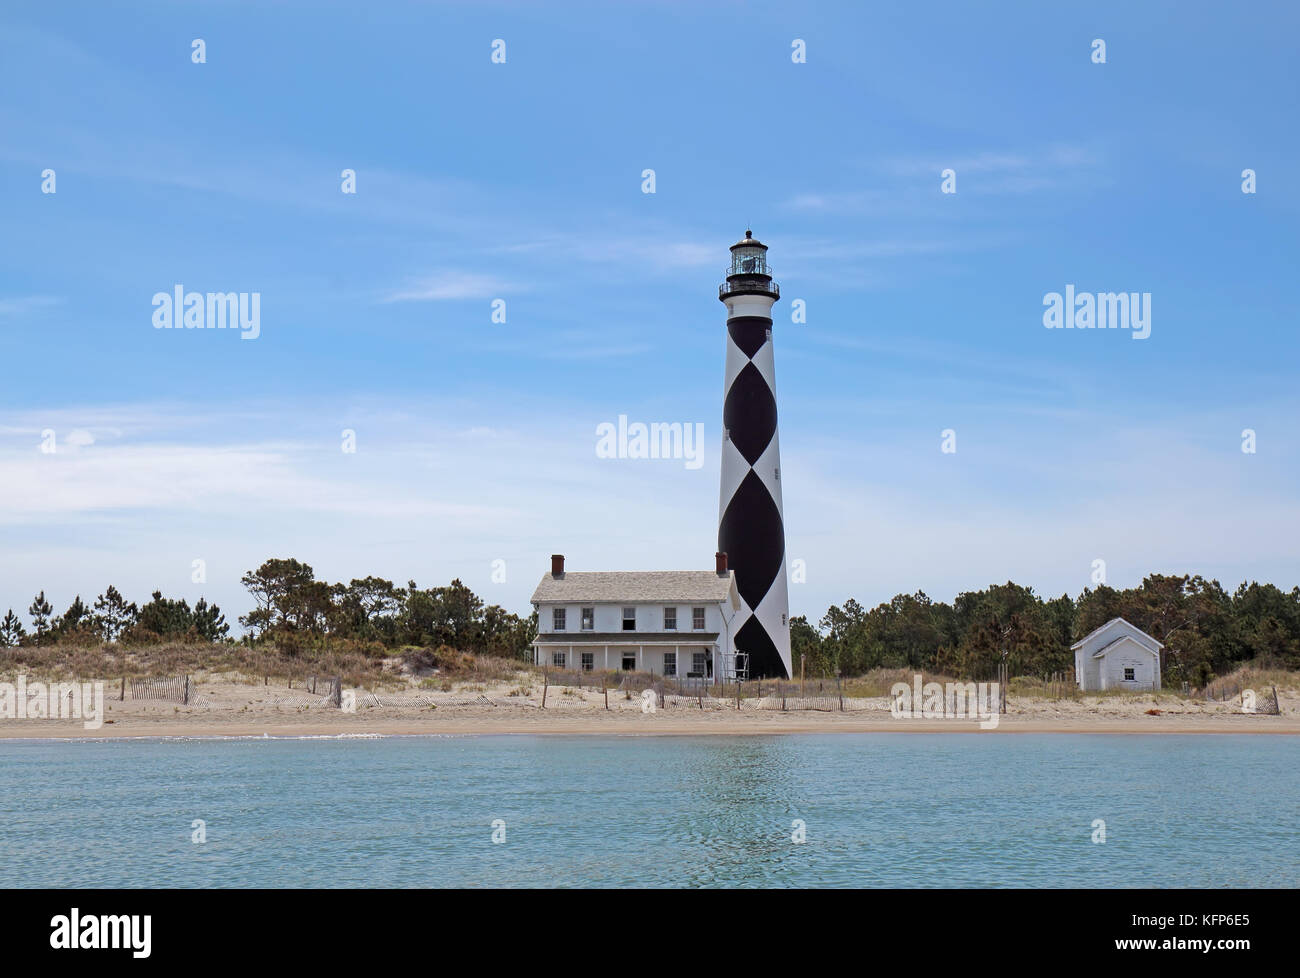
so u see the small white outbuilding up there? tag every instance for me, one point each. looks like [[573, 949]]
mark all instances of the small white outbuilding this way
[[1118, 655]]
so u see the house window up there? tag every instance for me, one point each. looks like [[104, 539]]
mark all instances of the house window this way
[[557, 619], [697, 619], [1130, 675], [588, 661], [629, 619], [558, 659], [670, 619], [588, 619], [698, 662], [629, 661], [670, 663]]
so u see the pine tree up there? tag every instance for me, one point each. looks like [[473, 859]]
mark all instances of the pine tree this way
[[209, 621], [113, 615], [78, 614], [40, 611], [11, 630], [166, 616]]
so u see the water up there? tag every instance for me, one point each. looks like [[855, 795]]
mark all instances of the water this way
[[880, 810]]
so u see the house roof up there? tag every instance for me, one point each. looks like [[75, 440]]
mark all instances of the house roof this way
[[1124, 638], [625, 638], [1139, 636], [635, 586]]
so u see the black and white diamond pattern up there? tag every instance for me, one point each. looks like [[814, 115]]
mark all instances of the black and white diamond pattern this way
[[750, 528]]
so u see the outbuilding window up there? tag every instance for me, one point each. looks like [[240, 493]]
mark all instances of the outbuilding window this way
[[1130, 675]]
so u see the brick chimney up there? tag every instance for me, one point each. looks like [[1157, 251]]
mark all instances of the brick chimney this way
[[721, 559], [557, 565]]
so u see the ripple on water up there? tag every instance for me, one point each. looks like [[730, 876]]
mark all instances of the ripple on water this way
[[877, 810]]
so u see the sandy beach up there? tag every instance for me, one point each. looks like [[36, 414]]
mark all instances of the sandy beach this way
[[223, 707]]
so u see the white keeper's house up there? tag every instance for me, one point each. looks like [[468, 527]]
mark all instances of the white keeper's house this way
[[1118, 655], [672, 623]]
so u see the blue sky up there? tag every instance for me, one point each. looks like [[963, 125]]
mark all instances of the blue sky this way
[[522, 181]]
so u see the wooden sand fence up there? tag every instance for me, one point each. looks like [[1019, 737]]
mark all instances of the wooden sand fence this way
[[329, 688], [704, 693], [821, 696], [1268, 703], [1266, 700], [1222, 692], [173, 689], [1056, 686]]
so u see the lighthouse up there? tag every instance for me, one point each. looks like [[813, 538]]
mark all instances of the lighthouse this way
[[751, 530]]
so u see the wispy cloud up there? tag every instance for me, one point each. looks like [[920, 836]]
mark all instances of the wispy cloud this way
[[856, 202], [21, 304], [660, 251], [453, 285], [1015, 171], [983, 172]]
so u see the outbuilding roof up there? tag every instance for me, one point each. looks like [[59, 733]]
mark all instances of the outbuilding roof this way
[[635, 586], [1140, 635], [1124, 638]]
